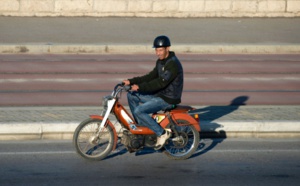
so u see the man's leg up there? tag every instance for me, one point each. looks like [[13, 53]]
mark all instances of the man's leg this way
[[134, 100], [142, 112]]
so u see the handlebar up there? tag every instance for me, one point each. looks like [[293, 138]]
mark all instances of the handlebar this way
[[123, 87], [126, 87]]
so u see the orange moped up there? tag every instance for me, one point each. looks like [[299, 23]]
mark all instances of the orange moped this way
[[96, 137]]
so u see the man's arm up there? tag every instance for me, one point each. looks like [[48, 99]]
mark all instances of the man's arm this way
[[148, 77], [161, 82]]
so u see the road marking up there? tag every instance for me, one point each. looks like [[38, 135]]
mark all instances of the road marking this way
[[56, 80], [83, 91], [60, 80], [37, 153], [116, 151], [253, 150]]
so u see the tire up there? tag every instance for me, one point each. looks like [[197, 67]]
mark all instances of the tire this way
[[185, 148], [90, 146]]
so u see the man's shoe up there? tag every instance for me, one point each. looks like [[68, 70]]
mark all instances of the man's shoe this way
[[161, 140]]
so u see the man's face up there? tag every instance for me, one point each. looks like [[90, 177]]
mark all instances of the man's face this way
[[162, 53]]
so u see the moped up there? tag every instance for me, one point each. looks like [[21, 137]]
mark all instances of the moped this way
[[96, 137]]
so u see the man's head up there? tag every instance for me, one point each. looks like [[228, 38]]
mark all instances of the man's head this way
[[162, 46]]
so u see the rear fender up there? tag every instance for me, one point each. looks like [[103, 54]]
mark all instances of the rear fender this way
[[182, 116], [111, 125]]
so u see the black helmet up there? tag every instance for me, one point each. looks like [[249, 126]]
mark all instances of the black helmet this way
[[161, 41]]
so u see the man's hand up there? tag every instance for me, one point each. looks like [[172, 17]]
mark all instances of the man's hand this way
[[126, 82], [134, 87]]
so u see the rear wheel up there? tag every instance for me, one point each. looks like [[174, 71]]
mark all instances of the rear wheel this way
[[88, 144], [185, 144]]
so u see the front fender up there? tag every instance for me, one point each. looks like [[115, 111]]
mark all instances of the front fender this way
[[111, 125]]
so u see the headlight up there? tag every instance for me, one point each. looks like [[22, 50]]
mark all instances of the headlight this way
[[104, 102]]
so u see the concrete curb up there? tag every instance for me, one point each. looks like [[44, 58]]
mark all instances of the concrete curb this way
[[134, 49], [241, 129]]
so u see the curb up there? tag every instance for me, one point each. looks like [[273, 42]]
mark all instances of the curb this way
[[236, 129], [135, 49]]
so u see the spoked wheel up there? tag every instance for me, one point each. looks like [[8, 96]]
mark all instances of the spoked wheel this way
[[88, 144], [184, 145]]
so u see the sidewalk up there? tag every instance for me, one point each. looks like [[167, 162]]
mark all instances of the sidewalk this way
[[21, 123], [135, 35]]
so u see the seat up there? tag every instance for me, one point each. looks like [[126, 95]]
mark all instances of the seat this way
[[178, 108]]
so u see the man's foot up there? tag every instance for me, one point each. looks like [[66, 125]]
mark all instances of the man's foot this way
[[161, 140]]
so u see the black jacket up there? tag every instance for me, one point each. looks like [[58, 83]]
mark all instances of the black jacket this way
[[165, 80]]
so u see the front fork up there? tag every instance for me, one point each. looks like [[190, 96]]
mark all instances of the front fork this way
[[108, 123], [105, 121], [110, 104]]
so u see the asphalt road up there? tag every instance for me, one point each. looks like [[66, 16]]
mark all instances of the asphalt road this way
[[36, 80], [217, 162]]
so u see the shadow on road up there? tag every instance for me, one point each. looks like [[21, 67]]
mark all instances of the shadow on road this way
[[207, 117]]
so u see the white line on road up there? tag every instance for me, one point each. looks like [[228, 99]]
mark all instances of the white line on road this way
[[57, 80], [60, 80], [37, 153], [211, 151]]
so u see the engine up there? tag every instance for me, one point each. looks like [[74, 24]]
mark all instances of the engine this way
[[134, 143], [131, 141]]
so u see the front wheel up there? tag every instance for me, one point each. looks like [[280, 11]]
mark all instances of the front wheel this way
[[88, 144], [183, 146]]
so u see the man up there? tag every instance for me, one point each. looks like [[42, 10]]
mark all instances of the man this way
[[159, 89]]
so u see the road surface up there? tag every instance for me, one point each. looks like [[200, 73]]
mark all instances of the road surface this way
[[217, 162]]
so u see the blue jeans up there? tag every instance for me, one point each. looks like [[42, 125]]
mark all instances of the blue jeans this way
[[150, 104]]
